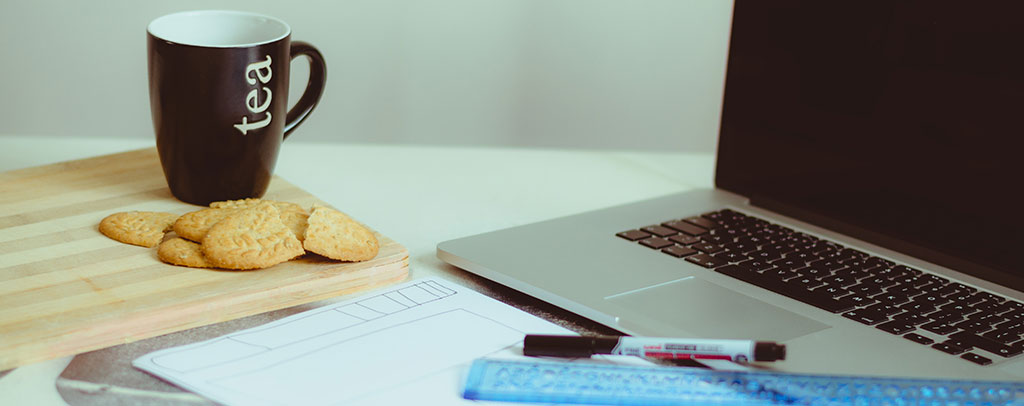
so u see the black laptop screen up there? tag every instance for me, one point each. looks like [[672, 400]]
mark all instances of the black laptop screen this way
[[898, 122]]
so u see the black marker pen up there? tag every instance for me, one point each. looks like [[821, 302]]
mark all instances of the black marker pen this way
[[653, 347]]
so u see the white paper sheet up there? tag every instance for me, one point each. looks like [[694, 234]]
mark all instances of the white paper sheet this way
[[408, 344]]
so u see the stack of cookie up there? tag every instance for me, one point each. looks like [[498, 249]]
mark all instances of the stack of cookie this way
[[244, 234]]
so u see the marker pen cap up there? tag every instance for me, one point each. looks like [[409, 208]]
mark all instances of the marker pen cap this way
[[769, 351], [567, 346]]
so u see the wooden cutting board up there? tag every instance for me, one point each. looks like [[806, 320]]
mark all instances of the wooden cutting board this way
[[66, 289]]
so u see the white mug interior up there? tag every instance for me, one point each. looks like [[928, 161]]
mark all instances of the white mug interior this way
[[218, 28]]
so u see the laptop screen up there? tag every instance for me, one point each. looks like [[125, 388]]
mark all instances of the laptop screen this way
[[897, 122]]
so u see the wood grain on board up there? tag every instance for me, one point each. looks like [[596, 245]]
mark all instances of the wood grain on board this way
[[66, 289]]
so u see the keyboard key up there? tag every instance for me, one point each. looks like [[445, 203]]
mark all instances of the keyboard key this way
[[731, 256], [741, 247], [913, 281], [633, 235], [986, 344], [990, 297], [932, 288], [957, 343], [935, 279], [729, 231], [908, 270], [1016, 326], [867, 272], [987, 318], [701, 222], [660, 231], [911, 318], [714, 215], [766, 254], [962, 287], [884, 271], [895, 327], [827, 264], [878, 281], [946, 316], [706, 261], [949, 349], [1002, 336], [907, 290], [865, 316], [782, 248], [804, 238], [685, 227], [855, 273], [756, 265], [814, 299], [755, 239], [832, 290], [679, 251], [789, 263], [708, 248], [865, 289], [931, 298], [987, 305], [820, 247], [891, 298], [1014, 305], [918, 307], [876, 261], [841, 281], [805, 283], [859, 300], [956, 307], [959, 297], [781, 273], [977, 359], [656, 243], [683, 239], [973, 326], [814, 272], [952, 289], [852, 253], [1014, 315], [717, 239], [917, 338], [975, 298], [1006, 306], [885, 309], [939, 328]]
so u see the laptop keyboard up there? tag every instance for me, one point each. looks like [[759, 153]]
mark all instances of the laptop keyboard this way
[[924, 308]]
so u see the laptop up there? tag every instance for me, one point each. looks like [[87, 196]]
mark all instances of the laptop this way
[[867, 209]]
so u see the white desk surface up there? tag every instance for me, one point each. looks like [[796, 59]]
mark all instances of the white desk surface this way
[[417, 195]]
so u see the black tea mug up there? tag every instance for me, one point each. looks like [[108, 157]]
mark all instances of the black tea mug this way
[[218, 90]]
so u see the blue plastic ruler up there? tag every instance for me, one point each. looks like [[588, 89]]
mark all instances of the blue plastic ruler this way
[[607, 384]]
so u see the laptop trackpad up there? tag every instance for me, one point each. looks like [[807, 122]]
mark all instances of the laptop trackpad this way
[[697, 307]]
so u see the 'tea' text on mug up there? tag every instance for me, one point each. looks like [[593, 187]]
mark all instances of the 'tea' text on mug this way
[[263, 73]]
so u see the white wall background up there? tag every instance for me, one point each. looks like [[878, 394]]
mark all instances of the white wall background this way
[[627, 74]]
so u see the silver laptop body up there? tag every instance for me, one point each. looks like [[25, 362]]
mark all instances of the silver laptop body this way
[[583, 264]]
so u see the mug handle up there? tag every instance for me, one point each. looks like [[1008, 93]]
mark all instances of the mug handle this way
[[314, 88]]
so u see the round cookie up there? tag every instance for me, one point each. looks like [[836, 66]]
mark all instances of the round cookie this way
[[250, 239], [182, 252], [334, 235], [297, 222], [293, 215], [236, 204], [143, 228], [194, 225]]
